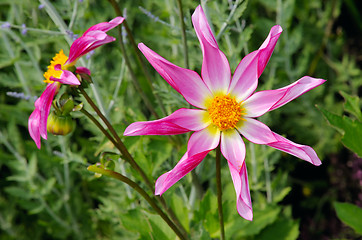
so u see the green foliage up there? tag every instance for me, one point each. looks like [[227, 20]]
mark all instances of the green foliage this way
[[350, 215]]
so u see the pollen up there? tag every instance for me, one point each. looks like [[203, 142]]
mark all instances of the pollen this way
[[59, 58], [225, 112]]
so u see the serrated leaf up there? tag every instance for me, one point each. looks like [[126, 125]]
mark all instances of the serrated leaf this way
[[351, 131], [350, 215], [352, 105]]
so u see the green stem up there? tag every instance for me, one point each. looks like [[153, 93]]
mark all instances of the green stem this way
[[122, 148], [219, 192], [184, 39], [136, 187]]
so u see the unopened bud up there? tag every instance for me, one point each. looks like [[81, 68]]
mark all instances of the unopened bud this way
[[60, 125]]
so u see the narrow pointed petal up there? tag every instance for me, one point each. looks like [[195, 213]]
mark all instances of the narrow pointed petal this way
[[245, 78], [233, 148], [215, 66], [300, 151], [181, 121], [33, 126], [200, 144], [187, 82], [67, 77], [255, 131], [105, 26], [264, 101], [241, 185]]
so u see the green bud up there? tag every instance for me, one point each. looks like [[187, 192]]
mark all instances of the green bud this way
[[60, 125]]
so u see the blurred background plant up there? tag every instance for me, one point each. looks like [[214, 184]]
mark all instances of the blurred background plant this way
[[49, 194]]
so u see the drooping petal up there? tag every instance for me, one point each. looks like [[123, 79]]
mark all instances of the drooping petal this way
[[300, 151], [215, 66], [264, 101], [87, 43], [105, 26], [67, 77], [200, 144], [181, 121], [241, 185], [233, 148], [245, 78], [187, 82], [255, 131], [33, 126]]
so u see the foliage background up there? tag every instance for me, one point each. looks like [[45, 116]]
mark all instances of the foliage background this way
[[49, 194]]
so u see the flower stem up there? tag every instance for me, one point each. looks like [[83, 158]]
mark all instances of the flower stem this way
[[127, 156], [219, 192], [184, 39], [135, 186]]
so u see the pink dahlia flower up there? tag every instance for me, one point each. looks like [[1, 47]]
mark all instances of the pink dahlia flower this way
[[227, 108], [62, 71]]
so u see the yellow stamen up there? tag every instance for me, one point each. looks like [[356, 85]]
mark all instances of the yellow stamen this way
[[59, 58], [225, 112]]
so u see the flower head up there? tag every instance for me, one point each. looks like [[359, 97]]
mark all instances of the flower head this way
[[227, 106], [62, 71]]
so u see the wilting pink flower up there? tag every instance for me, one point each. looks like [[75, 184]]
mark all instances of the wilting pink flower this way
[[227, 108], [62, 71]]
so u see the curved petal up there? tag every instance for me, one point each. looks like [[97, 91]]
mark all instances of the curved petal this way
[[245, 78], [241, 185], [215, 67], [200, 144], [83, 70], [87, 43], [105, 26], [181, 121], [43, 104], [33, 126], [67, 77], [233, 148], [300, 151], [255, 131], [264, 101], [187, 82]]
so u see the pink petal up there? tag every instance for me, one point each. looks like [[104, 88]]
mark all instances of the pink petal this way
[[241, 185], [233, 148], [105, 26], [200, 144], [83, 70], [215, 67], [245, 78], [264, 101], [181, 121], [301, 151], [87, 43], [255, 131], [43, 105], [67, 77], [33, 126], [187, 82]]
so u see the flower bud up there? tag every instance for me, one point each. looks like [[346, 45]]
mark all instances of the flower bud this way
[[60, 125]]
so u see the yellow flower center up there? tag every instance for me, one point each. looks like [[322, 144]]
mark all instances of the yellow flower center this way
[[225, 112], [59, 58]]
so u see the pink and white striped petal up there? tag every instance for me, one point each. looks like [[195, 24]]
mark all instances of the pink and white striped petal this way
[[300, 151], [181, 121], [215, 66], [67, 77], [200, 144], [105, 26], [233, 148], [264, 101], [255, 131], [187, 82], [245, 78], [241, 185], [33, 127]]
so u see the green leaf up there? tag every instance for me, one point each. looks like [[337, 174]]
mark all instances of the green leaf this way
[[350, 215], [352, 105], [280, 230], [18, 192], [351, 130], [180, 210]]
